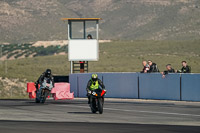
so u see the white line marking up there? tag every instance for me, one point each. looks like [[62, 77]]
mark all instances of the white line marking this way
[[150, 112]]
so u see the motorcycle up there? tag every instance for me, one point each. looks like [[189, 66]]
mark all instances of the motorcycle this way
[[42, 94], [97, 100]]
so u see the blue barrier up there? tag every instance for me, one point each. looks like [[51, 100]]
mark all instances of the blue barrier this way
[[123, 85], [144, 86], [73, 84], [153, 86], [190, 87]]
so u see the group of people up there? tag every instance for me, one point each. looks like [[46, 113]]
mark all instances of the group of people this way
[[150, 67]]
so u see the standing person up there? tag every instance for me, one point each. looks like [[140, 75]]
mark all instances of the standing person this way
[[153, 67], [146, 67], [185, 68], [169, 70]]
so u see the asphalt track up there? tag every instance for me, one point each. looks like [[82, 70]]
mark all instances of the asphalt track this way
[[120, 116]]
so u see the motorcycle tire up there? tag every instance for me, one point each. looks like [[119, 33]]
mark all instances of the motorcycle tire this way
[[37, 100], [93, 106], [44, 96], [100, 105]]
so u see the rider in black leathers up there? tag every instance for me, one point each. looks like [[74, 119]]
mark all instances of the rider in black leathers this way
[[45, 76]]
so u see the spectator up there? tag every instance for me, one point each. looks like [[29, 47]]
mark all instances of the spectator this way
[[153, 67], [146, 67], [169, 70], [185, 68], [89, 36]]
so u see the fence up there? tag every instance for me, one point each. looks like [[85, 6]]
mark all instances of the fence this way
[[184, 87]]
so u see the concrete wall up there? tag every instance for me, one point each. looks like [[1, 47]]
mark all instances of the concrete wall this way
[[144, 86]]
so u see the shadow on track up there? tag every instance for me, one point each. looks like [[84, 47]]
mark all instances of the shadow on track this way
[[80, 113]]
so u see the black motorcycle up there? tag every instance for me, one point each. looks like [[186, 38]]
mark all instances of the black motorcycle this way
[[97, 100], [44, 94]]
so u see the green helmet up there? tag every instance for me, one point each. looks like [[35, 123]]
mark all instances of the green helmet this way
[[94, 77]]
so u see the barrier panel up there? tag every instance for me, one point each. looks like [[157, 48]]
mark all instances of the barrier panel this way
[[190, 87], [121, 85], [62, 91], [73, 83], [31, 89], [153, 86], [143, 86]]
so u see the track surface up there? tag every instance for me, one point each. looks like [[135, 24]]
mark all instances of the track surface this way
[[124, 116]]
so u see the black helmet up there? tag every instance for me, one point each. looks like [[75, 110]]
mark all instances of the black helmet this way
[[48, 73]]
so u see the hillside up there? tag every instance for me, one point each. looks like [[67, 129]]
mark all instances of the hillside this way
[[30, 21], [113, 58]]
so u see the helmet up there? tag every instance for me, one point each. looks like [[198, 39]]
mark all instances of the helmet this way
[[94, 77], [48, 73]]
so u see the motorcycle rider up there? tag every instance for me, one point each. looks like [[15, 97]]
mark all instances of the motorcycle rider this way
[[94, 84], [44, 80]]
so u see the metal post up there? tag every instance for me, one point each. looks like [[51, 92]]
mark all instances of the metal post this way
[[97, 26], [69, 30], [84, 30], [71, 62], [69, 35], [97, 32]]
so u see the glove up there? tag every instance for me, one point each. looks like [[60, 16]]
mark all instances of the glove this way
[[89, 92], [94, 93]]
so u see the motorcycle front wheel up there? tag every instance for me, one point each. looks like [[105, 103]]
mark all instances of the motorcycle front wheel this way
[[44, 96], [93, 105], [37, 99], [100, 105]]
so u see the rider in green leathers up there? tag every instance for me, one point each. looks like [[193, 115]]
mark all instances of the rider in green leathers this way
[[93, 84]]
